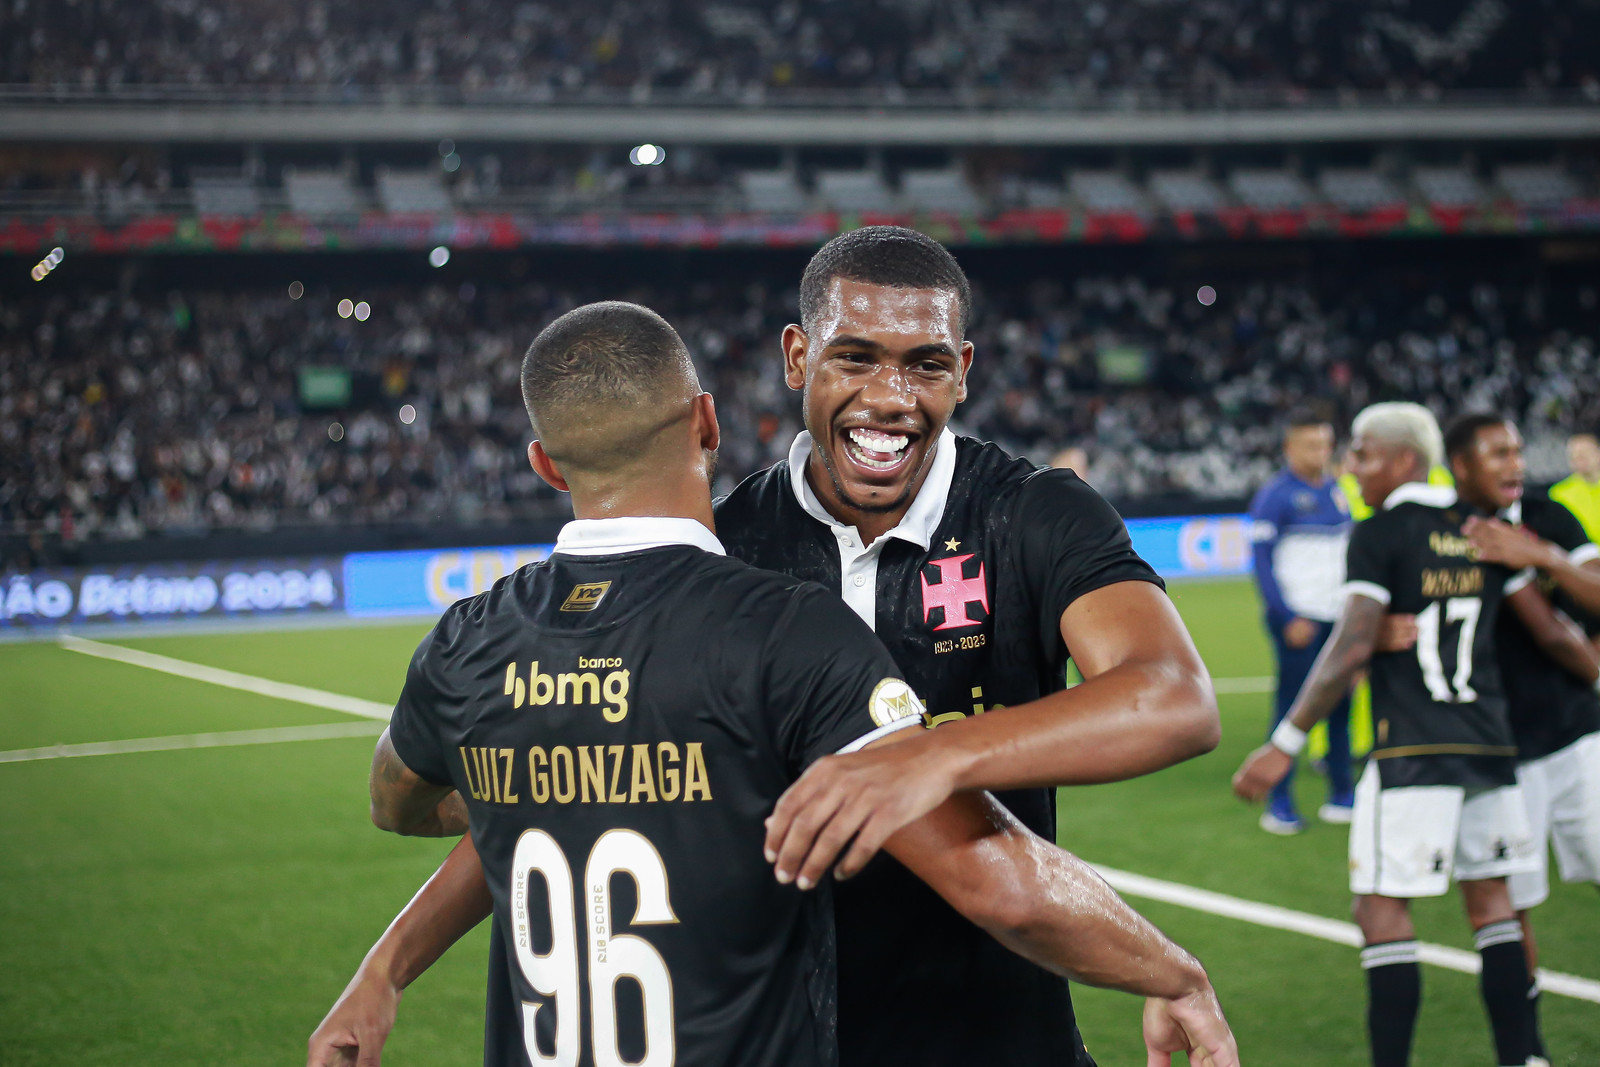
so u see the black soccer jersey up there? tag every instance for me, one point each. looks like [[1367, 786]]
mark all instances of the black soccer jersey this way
[[969, 604], [620, 726], [1549, 707], [1438, 708]]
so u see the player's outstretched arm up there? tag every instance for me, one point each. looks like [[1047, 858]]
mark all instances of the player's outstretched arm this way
[[1147, 703], [1349, 648], [1498, 542], [1047, 905], [405, 803], [452, 902], [1558, 636]]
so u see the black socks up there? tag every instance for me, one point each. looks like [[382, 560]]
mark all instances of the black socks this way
[[1394, 993], [1505, 989]]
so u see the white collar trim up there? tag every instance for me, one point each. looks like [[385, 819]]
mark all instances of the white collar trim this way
[[1433, 496], [921, 519], [634, 533], [1512, 513]]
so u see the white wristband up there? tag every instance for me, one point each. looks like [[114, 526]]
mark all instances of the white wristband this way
[[1288, 738]]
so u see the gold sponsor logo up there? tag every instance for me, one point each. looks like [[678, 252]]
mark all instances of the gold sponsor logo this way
[[892, 700], [583, 687], [1449, 544], [585, 597]]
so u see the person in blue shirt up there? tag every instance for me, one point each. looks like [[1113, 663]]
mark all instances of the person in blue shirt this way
[[1299, 524]]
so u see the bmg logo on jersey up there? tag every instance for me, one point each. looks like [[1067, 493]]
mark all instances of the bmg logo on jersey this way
[[583, 686], [954, 593]]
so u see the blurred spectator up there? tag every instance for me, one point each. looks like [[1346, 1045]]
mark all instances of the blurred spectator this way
[[126, 413], [1211, 51]]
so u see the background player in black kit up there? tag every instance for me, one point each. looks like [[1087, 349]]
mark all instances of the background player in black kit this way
[[982, 575], [1439, 797], [1555, 713], [635, 705]]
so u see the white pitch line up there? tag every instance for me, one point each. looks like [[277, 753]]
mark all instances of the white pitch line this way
[[300, 694], [270, 736], [1340, 933], [1231, 686]]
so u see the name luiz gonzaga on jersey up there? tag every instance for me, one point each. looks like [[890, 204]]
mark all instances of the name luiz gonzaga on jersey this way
[[583, 774]]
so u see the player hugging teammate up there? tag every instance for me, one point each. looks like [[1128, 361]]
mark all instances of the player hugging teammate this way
[[1484, 707]]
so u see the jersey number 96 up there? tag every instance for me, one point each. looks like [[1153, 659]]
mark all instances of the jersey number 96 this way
[[611, 957]]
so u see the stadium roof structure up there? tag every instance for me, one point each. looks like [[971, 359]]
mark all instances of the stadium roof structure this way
[[34, 115]]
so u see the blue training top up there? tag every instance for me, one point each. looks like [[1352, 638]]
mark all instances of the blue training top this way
[[1299, 531]]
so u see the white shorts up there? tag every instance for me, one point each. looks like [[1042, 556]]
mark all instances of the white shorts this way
[[1562, 791], [1410, 842]]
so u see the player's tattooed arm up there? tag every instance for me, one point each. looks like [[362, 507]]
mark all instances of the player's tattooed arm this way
[[452, 902], [1514, 547], [405, 803], [1348, 650], [1557, 635], [1052, 908]]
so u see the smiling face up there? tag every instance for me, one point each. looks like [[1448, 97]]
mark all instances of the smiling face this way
[[1491, 473], [882, 370]]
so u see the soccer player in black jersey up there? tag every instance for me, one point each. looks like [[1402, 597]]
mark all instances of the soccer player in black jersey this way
[[982, 574], [1439, 797], [634, 706], [1555, 713]]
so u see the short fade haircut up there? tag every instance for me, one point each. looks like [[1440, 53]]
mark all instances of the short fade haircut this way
[[1401, 423], [883, 255], [598, 382], [1462, 436]]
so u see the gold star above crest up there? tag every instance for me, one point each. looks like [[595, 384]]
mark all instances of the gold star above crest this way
[[951, 545]]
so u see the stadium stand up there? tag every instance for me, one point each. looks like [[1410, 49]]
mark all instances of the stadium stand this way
[[1069, 50], [187, 409]]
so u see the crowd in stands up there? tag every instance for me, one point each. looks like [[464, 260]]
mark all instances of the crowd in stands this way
[[1203, 51], [143, 412]]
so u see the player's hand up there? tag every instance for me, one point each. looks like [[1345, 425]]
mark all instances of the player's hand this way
[[1500, 542], [1261, 770], [1193, 1024], [1298, 632], [357, 1026], [857, 800], [1397, 633]]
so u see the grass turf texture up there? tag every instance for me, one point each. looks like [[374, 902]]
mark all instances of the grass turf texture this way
[[207, 906]]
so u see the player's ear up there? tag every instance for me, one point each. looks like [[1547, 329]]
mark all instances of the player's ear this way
[[705, 422], [795, 346], [966, 368], [545, 467]]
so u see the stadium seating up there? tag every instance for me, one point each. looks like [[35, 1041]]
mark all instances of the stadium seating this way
[[854, 190], [771, 190], [224, 193], [1448, 187], [314, 193], [412, 191], [1186, 190], [1536, 184], [1106, 191], [1269, 190], [1358, 189], [939, 190]]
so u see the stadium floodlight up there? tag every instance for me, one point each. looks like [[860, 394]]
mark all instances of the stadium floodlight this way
[[647, 155], [335, 431], [408, 414], [439, 256], [363, 311], [347, 308], [296, 290], [1206, 295]]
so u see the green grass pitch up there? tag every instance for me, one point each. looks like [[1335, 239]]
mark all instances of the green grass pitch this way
[[206, 906]]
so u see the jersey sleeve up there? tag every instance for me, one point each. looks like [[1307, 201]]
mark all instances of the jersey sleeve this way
[[1072, 542], [1266, 527], [1369, 565], [414, 725], [828, 681]]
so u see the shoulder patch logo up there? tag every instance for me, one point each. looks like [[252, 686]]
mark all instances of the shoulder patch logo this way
[[585, 597], [892, 700]]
